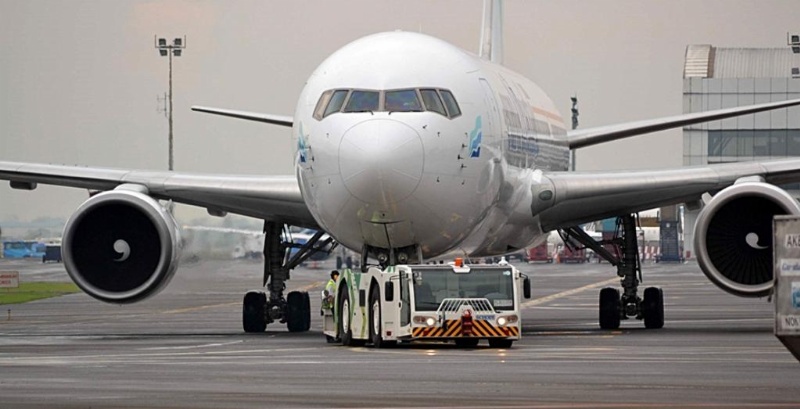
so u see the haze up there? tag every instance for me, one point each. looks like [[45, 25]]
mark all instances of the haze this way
[[79, 80]]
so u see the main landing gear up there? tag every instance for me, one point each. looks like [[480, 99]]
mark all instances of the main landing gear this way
[[614, 306], [259, 308]]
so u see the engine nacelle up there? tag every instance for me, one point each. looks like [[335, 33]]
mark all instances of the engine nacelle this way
[[121, 246], [733, 236]]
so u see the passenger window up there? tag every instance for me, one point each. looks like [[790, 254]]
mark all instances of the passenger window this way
[[432, 101], [450, 103], [321, 104], [336, 102], [362, 101], [402, 101]]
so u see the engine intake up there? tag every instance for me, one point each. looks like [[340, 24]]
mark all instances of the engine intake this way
[[121, 246], [733, 236]]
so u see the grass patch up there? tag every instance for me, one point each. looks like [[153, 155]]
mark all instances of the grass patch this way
[[35, 291]]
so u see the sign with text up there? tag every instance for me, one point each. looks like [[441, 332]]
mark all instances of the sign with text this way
[[9, 279], [786, 290]]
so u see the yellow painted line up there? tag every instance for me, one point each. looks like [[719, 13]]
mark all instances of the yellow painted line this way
[[567, 293], [311, 286], [200, 308], [230, 304]]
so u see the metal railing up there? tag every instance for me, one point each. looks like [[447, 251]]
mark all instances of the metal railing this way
[[479, 305]]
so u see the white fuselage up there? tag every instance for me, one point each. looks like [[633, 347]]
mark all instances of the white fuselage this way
[[425, 180]]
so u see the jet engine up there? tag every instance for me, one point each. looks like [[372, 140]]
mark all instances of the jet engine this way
[[733, 236], [121, 246]]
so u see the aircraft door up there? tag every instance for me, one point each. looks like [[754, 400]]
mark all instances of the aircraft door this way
[[492, 116], [405, 299]]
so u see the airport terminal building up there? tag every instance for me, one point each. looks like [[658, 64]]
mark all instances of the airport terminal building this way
[[715, 78]]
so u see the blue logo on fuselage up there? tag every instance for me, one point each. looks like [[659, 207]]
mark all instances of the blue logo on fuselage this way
[[301, 144], [475, 139]]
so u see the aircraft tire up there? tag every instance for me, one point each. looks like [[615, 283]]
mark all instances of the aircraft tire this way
[[653, 308], [253, 308], [609, 308]]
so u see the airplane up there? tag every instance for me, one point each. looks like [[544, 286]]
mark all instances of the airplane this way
[[409, 148]]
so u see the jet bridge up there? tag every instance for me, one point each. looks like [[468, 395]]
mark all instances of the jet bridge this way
[[787, 282]]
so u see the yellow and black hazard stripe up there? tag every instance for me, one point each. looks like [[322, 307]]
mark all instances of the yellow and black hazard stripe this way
[[452, 329]]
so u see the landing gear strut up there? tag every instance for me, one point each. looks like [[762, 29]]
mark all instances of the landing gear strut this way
[[260, 309], [613, 306]]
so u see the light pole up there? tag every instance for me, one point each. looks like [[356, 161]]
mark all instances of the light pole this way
[[165, 50]]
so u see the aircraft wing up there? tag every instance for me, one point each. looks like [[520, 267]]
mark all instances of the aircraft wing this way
[[582, 138], [263, 197], [580, 197], [249, 116]]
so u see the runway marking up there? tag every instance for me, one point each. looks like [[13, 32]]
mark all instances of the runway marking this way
[[200, 308], [567, 293], [311, 286], [231, 304], [214, 345], [620, 405], [120, 357]]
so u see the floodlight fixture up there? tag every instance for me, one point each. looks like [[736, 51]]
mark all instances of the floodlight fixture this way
[[174, 49], [793, 40]]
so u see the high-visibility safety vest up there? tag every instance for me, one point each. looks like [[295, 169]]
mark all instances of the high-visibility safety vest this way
[[329, 288]]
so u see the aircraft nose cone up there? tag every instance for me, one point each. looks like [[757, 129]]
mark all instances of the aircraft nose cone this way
[[381, 161]]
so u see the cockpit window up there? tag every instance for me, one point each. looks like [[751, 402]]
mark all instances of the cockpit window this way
[[432, 101], [319, 111], [450, 103], [404, 100], [363, 101], [336, 101], [399, 100]]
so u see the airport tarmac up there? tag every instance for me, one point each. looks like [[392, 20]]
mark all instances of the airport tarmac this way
[[185, 348]]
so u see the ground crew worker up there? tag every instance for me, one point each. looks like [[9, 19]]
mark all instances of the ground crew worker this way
[[328, 296]]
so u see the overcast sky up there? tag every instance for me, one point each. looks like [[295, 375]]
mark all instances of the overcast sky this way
[[79, 80]]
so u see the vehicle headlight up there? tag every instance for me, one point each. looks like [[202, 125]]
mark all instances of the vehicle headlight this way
[[426, 320], [507, 319]]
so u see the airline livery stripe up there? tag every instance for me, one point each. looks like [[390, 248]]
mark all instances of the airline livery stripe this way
[[547, 114]]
